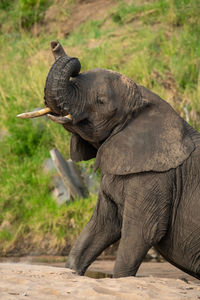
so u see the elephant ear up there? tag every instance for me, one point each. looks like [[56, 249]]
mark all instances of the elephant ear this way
[[155, 139], [81, 149]]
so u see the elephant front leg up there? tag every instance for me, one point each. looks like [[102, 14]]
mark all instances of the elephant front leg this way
[[103, 229], [145, 221], [131, 252]]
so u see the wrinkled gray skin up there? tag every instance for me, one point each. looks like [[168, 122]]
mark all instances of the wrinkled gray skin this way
[[149, 159]]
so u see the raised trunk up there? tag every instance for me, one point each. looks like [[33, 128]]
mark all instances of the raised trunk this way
[[58, 88]]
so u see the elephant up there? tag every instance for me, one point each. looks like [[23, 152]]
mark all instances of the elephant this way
[[149, 159]]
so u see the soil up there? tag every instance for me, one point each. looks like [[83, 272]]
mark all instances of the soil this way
[[63, 17], [34, 282], [102, 268]]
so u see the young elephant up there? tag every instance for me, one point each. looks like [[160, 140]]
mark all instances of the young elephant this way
[[149, 159]]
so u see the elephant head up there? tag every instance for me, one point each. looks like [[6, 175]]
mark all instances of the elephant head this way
[[126, 127]]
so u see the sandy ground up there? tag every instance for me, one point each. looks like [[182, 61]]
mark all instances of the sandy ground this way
[[33, 282], [155, 269]]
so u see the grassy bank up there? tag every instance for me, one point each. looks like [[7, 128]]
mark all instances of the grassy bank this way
[[31, 222], [156, 44]]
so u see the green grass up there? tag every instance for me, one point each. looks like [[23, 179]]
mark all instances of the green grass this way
[[22, 13], [26, 205], [156, 44]]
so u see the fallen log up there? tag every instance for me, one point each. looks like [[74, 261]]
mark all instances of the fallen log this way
[[70, 175]]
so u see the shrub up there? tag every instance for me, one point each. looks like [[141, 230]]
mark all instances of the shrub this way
[[32, 11]]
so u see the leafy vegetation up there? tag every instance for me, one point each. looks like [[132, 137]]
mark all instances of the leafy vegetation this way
[[22, 13], [155, 43]]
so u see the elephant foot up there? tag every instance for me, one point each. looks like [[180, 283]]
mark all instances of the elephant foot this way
[[70, 264]]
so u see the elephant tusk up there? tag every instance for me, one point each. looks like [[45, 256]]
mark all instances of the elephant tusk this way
[[60, 120], [34, 114]]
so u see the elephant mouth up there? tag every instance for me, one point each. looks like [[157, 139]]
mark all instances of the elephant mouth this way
[[46, 111]]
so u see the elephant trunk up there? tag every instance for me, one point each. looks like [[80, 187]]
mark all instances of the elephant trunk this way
[[58, 91], [57, 49]]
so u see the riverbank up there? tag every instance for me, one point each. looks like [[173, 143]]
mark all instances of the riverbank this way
[[102, 268], [35, 282]]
